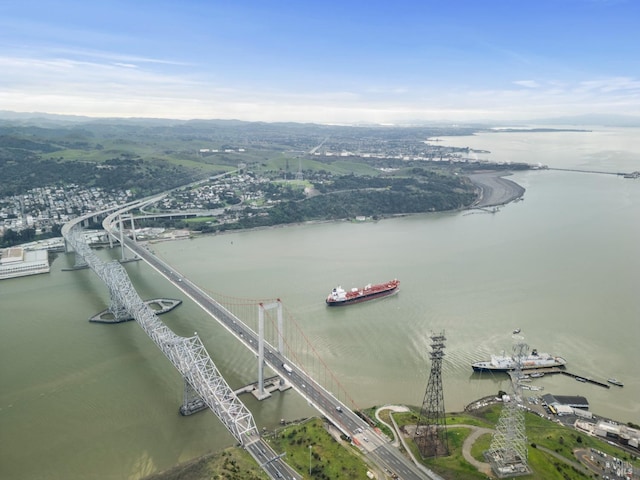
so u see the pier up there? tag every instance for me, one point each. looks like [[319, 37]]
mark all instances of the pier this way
[[620, 174], [552, 371], [584, 379]]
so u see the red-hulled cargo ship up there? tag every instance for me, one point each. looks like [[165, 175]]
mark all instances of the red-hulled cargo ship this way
[[340, 296]]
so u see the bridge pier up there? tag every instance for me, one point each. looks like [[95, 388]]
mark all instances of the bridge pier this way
[[121, 226], [191, 401], [116, 275], [120, 222], [162, 305], [79, 262]]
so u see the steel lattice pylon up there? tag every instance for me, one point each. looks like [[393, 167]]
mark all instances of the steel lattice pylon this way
[[188, 355], [508, 451], [431, 431]]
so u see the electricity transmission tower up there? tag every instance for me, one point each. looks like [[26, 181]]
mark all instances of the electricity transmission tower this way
[[299, 175], [507, 453], [431, 431]]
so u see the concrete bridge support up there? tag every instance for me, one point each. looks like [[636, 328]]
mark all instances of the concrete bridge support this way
[[261, 309], [79, 262], [191, 401]]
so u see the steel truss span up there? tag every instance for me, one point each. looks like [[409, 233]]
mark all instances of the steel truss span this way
[[187, 354]]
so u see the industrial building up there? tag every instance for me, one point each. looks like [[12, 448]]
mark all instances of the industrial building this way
[[566, 403], [623, 434], [18, 262]]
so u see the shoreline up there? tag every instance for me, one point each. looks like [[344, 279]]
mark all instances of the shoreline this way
[[495, 190]]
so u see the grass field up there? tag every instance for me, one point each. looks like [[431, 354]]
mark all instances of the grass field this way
[[309, 447], [337, 459]]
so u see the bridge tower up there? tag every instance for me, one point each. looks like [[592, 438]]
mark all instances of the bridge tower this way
[[121, 220], [507, 453], [261, 394], [431, 430]]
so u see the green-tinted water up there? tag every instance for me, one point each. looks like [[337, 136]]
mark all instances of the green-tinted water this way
[[81, 400]]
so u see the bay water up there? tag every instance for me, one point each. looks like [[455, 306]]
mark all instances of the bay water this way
[[82, 400]]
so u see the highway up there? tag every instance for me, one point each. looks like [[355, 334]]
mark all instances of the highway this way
[[373, 444], [270, 461]]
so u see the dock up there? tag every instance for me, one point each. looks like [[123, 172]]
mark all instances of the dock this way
[[599, 172], [555, 370], [584, 379]]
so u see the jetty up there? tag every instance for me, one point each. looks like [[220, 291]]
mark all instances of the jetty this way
[[599, 172], [584, 379], [540, 372]]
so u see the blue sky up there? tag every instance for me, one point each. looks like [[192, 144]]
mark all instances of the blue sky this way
[[326, 61]]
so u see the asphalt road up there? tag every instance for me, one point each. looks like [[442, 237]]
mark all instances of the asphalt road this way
[[372, 443]]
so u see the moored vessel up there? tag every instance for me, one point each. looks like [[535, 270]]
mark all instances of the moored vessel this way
[[340, 296], [503, 363], [615, 381]]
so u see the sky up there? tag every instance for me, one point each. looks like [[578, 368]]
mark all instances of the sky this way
[[341, 62]]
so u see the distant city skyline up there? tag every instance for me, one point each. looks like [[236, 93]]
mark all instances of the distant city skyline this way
[[323, 62]]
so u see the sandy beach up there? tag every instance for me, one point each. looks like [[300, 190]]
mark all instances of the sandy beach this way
[[495, 189]]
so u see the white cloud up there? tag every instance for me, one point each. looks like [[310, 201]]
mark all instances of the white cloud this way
[[116, 85], [609, 85], [96, 55], [527, 83]]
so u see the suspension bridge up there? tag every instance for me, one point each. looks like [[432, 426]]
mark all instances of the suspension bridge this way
[[285, 351]]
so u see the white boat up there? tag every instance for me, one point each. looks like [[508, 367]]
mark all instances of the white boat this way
[[503, 363]]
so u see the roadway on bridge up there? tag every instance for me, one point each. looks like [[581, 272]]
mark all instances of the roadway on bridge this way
[[372, 443]]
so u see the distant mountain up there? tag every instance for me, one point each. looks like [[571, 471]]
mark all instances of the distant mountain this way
[[42, 119], [41, 116], [49, 119]]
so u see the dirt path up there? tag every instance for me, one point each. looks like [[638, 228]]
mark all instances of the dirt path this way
[[468, 443]]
